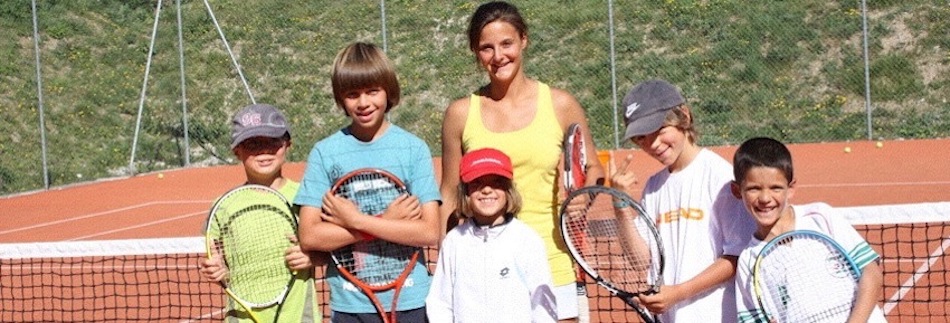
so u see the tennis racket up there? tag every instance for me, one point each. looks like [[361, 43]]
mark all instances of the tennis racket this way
[[575, 175], [615, 243], [248, 227], [804, 276], [374, 265], [575, 158]]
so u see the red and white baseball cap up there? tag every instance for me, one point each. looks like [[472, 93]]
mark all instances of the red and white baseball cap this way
[[485, 161]]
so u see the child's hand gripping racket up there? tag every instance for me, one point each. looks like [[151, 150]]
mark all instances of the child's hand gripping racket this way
[[804, 276], [574, 176], [374, 265], [615, 243], [249, 228]]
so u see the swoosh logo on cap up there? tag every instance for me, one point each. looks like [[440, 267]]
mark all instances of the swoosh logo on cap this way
[[631, 109]]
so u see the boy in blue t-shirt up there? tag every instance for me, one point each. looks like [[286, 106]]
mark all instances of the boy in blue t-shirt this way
[[365, 87]]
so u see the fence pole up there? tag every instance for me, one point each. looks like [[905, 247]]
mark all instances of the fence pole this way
[[227, 46], [39, 95], [186, 150], [867, 68], [613, 72], [148, 66], [382, 18]]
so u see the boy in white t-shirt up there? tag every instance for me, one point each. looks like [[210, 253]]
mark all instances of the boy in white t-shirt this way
[[703, 227], [765, 182]]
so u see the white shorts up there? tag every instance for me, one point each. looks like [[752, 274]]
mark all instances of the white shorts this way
[[566, 298]]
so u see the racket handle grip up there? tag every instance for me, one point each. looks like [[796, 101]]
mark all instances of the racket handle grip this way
[[583, 304]]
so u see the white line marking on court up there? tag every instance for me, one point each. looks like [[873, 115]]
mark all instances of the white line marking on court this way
[[921, 271], [102, 233], [83, 268], [876, 184], [204, 317], [88, 216]]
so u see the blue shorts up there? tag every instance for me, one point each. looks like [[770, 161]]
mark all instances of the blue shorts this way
[[411, 316]]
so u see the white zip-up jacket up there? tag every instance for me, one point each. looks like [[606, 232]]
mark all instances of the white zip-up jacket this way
[[492, 274]]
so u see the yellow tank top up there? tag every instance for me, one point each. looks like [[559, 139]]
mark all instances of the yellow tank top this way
[[534, 151]]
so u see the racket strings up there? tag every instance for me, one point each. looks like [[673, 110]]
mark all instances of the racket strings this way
[[615, 243], [252, 241], [806, 280], [372, 192], [378, 263]]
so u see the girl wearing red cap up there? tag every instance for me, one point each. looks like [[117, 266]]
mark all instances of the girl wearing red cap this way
[[492, 267]]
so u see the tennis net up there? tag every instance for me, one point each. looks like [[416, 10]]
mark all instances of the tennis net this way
[[144, 280], [913, 241], [158, 280]]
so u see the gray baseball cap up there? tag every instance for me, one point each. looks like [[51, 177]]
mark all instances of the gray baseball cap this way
[[646, 105], [257, 120]]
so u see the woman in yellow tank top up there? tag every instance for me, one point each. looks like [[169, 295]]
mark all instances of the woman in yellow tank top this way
[[525, 119]]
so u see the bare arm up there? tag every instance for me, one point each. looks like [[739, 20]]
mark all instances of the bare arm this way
[[317, 235], [452, 127], [570, 111], [869, 291], [397, 224], [718, 272], [635, 248]]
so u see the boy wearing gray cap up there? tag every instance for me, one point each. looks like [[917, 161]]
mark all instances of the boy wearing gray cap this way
[[260, 140], [703, 227]]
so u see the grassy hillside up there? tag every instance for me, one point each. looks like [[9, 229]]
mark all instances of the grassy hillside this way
[[790, 69]]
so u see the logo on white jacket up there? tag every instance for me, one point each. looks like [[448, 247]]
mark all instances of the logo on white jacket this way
[[503, 274]]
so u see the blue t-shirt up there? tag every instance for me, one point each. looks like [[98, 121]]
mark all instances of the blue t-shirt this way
[[396, 151]]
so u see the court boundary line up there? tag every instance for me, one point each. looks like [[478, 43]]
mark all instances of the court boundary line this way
[[101, 213], [205, 316], [921, 271], [903, 214], [137, 226], [875, 184]]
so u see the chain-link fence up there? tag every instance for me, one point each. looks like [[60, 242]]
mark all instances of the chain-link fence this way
[[104, 94]]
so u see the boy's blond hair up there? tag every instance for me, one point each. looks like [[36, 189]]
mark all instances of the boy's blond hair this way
[[682, 118], [360, 66]]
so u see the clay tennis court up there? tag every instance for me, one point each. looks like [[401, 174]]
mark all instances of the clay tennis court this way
[[912, 177]]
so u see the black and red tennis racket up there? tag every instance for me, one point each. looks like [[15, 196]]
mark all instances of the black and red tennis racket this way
[[575, 158], [615, 243], [574, 176], [374, 265]]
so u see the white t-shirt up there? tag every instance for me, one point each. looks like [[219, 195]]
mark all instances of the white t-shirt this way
[[492, 274], [816, 217], [699, 221]]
